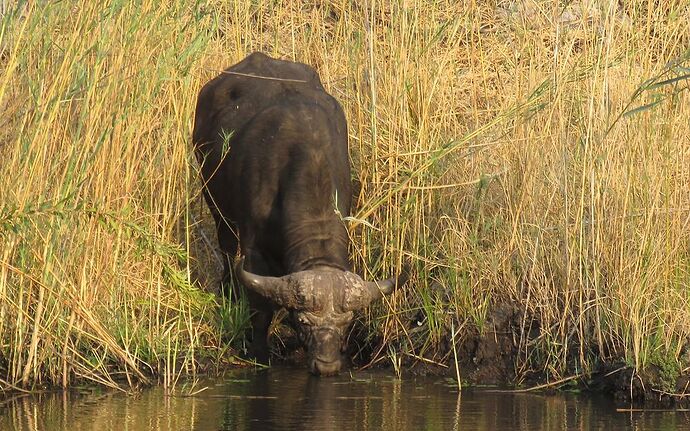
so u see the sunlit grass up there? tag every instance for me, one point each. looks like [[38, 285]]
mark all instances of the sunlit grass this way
[[491, 149]]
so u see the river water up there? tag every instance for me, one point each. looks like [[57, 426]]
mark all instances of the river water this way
[[290, 399]]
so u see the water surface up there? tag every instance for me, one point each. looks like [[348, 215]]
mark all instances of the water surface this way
[[290, 399]]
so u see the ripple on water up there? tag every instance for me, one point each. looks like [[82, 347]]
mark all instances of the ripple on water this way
[[291, 399]]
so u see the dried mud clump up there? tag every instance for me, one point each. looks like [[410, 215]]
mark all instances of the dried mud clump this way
[[487, 356]]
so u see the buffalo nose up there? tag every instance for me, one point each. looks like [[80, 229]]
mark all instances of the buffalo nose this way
[[321, 368]]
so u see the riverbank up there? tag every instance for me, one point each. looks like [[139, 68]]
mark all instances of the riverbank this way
[[529, 153], [492, 360]]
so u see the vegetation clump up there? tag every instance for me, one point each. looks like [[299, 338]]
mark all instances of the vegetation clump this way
[[529, 156]]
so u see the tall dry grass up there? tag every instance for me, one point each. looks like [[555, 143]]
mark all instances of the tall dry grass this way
[[94, 275], [530, 153]]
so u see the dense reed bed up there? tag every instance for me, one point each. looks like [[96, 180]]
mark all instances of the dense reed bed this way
[[530, 154]]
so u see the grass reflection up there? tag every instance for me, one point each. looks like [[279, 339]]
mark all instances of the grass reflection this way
[[288, 399]]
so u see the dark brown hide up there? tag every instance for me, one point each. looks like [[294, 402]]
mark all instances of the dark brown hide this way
[[272, 145]]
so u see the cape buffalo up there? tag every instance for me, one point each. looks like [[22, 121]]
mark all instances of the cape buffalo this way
[[272, 145]]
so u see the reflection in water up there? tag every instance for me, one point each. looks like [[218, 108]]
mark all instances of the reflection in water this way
[[291, 399]]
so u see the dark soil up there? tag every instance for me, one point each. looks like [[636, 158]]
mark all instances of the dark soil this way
[[489, 358], [646, 388]]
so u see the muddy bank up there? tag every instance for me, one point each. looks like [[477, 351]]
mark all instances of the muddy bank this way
[[493, 357]]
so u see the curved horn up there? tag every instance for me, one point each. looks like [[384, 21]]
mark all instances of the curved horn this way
[[273, 288], [379, 289]]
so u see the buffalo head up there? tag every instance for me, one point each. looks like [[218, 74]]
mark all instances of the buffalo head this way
[[321, 302]]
